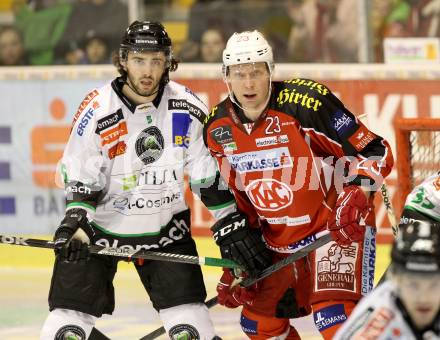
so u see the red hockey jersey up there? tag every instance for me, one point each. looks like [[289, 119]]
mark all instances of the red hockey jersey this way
[[286, 168]]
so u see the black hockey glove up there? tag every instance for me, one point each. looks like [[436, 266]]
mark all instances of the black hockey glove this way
[[72, 238], [241, 243]]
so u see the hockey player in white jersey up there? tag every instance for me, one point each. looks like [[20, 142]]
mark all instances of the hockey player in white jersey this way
[[123, 168], [407, 305]]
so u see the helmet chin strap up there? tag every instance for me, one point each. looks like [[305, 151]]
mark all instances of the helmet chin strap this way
[[232, 98]]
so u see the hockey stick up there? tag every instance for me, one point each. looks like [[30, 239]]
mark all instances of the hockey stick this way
[[387, 202], [303, 252], [126, 253]]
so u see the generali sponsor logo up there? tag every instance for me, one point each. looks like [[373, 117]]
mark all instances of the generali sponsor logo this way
[[335, 267], [84, 103]]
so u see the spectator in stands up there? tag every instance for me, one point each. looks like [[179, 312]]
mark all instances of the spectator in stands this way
[[105, 18], [42, 23], [323, 31], [12, 52], [389, 19], [96, 50], [70, 54], [212, 45]]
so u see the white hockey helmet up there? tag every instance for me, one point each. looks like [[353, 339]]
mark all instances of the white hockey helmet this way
[[247, 47]]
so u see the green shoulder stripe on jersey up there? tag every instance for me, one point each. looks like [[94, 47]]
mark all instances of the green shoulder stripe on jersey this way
[[81, 204]]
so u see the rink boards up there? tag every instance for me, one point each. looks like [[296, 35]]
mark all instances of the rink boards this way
[[25, 279]]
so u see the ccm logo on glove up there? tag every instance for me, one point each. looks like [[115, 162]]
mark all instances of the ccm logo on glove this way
[[229, 228]]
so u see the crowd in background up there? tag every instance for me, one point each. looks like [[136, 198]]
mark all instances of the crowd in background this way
[[54, 32]]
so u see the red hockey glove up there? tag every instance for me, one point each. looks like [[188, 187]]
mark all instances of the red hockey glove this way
[[235, 296], [352, 204]]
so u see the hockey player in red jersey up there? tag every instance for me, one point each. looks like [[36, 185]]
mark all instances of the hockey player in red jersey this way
[[299, 163]]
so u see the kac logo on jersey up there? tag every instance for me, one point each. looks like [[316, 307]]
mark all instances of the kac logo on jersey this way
[[269, 194], [181, 123], [149, 145]]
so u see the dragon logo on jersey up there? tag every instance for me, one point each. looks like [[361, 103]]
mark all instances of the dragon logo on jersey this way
[[269, 194], [149, 145]]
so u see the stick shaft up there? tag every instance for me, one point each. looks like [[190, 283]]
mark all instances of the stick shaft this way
[[303, 252], [125, 252]]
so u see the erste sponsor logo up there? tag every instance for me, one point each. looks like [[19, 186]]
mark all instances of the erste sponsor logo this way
[[84, 103], [84, 122]]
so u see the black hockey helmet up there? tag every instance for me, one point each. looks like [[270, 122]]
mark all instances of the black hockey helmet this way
[[145, 36], [417, 247]]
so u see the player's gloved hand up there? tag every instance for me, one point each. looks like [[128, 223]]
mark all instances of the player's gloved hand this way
[[241, 243], [72, 238], [351, 205], [232, 295]]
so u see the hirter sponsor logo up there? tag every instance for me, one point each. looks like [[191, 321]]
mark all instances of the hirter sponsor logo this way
[[114, 134], [117, 150], [109, 121], [335, 267], [361, 138], [269, 194], [84, 103]]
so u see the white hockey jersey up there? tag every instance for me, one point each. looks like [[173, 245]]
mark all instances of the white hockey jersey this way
[[379, 317], [425, 198], [125, 164]]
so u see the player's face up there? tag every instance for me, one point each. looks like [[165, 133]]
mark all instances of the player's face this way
[[250, 85], [420, 295], [145, 69]]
